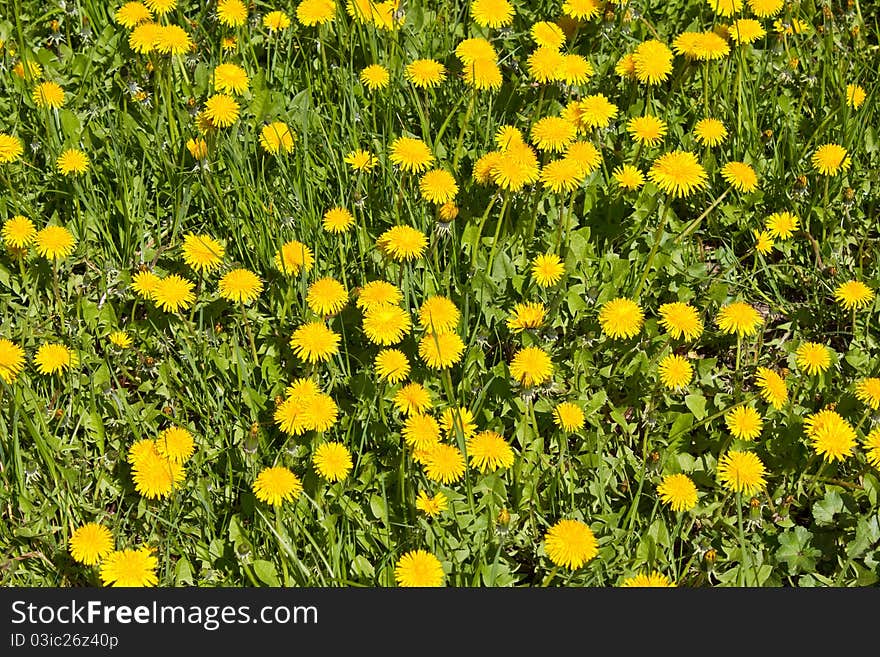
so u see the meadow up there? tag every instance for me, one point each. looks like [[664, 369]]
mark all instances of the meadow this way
[[439, 292]]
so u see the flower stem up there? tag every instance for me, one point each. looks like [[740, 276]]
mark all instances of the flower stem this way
[[745, 564], [250, 333], [658, 235]]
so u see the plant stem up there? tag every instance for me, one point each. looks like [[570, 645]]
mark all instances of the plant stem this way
[[658, 235]]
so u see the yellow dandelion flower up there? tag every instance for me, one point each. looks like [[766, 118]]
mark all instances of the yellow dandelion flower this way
[[647, 129], [746, 30], [438, 186], [378, 292], [581, 9], [492, 13], [230, 79], [710, 132], [232, 13], [547, 269], [488, 451], [548, 35], [675, 371], [425, 73], [175, 444], [569, 417], [526, 316], [154, 475], [275, 21], [241, 285], [781, 225], [172, 40], [438, 314], [621, 318], [740, 318], [292, 257], [332, 461], [653, 579], [386, 323], [173, 293], [545, 64], [813, 358], [90, 543], [444, 464], [315, 12], [72, 162], [431, 506], [144, 284], [652, 61], [221, 109], [871, 445], [412, 398], [18, 232], [681, 320], [867, 391], [678, 491], [772, 387], [276, 137], [375, 76], [276, 485], [830, 159], [765, 8], [418, 568], [361, 160], [853, 294], [441, 350], [531, 366], [327, 296], [48, 94], [411, 154], [570, 543], [740, 176], [831, 436], [11, 360], [52, 358], [725, 7], [628, 177], [136, 568], [596, 111], [678, 173], [855, 95], [391, 365], [314, 342], [10, 148], [402, 243], [54, 242], [473, 49], [132, 14], [741, 472], [744, 422]]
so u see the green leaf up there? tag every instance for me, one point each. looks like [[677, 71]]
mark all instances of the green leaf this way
[[266, 573], [824, 509], [697, 405], [794, 550]]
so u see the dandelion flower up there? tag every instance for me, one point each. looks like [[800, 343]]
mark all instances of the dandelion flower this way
[[421, 431], [678, 173], [337, 220], [585, 155], [653, 579], [431, 506], [10, 148], [444, 464], [515, 168], [294, 256], [744, 422], [740, 176], [230, 79], [418, 568], [871, 445], [438, 314], [853, 294], [222, 110], [492, 13], [412, 398], [581, 9], [132, 14], [173, 293], [175, 444], [172, 40], [545, 64], [765, 8], [740, 318], [867, 390], [675, 371], [391, 365], [570, 543], [144, 284], [160, 7], [772, 387], [54, 242], [829, 159], [781, 225], [72, 162], [681, 320], [831, 436], [90, 543], [488, 451], [52, 358], [276, 485], [275, 21], [568, 416], [855, 95], [385, 324], [411, 154], [332, 461], [18, 232], [763, 241], [232, 13], [402, 243], [425, 73], [130, 568], [746, 30], [526, 316], [621, 318], [547, 269], [548, 35], [361, 160], [154, 475], [710, 132], [11, 360], [725, 7], [653, 62], [701, 46], [553, 134], [678, 491], [198, 148], [741, 472], [483, 74], [314, 342], [315, 12], [438, 186], [377, 293], [375, 76], [327, 296], [646, 129], [596, 111], [812, 357], [144, 37], [531, 366], [276, 138], [441, 350], [628, 177], [459, 419], [477, 48], [241, 285], [48, 94]]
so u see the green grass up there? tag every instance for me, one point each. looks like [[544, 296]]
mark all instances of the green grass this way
[[63, 438]]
